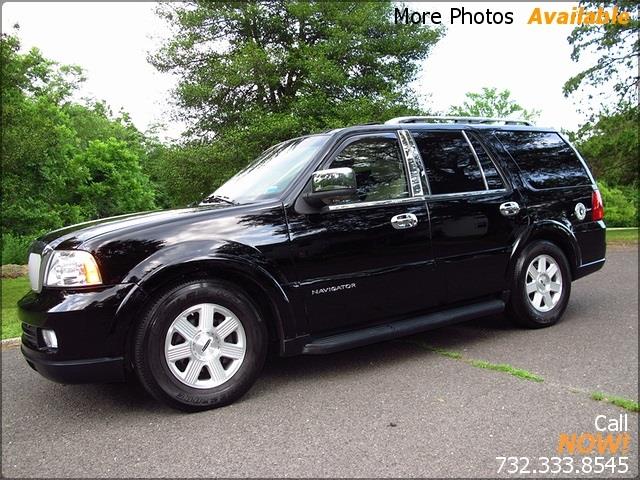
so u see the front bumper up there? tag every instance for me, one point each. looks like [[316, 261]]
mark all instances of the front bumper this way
[[91, 327], [94, 370]]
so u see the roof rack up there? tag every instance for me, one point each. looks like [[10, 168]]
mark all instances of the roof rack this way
[[436, 119]]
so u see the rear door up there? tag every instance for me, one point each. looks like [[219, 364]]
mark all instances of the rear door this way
[[475, 214]]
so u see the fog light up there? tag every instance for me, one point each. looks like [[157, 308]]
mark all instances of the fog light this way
[[50, 338]]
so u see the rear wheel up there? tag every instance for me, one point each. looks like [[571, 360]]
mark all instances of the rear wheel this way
[[201, 345], [541, 286]]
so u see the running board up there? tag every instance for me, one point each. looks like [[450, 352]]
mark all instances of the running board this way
[[379, 333]]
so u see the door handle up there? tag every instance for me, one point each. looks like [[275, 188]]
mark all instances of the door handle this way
[[404, 220], [509, 209]]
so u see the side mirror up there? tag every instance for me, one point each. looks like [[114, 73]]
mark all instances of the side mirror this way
[[330, 184]]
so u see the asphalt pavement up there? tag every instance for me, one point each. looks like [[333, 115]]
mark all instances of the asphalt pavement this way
[[394, 409]]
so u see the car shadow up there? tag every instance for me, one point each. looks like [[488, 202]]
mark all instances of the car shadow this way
[[283, 370], [131, 398]]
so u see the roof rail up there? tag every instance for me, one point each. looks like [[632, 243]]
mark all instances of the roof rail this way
[[437, 119]]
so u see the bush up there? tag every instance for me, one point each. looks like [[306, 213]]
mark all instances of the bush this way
[[620, 205], [15, 248]]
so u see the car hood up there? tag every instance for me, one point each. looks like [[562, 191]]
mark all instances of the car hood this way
[[74, 235]]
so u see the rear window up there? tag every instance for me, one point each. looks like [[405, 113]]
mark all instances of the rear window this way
[[545, 159]]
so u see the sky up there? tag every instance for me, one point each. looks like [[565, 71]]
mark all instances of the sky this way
[[111, 41]]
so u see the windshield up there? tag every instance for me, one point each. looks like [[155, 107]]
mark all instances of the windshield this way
[[272, 172]]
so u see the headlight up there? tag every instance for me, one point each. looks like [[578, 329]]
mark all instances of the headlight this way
[[72, 268]]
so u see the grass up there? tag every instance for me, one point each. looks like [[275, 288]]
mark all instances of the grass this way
[[621, 402], [12, 290], [618, 401], [441, 351], [625, 236], [498, 367], [506, 368]]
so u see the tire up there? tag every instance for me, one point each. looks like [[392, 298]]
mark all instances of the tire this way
[[173, 360], [536, 302]]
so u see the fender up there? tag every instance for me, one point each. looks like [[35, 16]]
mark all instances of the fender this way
[[554, 231], [229, 260]]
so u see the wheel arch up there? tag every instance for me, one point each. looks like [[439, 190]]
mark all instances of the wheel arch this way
[[554, 232], [259, 285]]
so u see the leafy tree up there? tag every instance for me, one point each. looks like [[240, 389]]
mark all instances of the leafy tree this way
[[183, 173], [614, 47], [113, 182], [37, 141], [620, 204], [94, 120], [492, 103], [285, 58], [252, 74], [62, 162], [611, 145]]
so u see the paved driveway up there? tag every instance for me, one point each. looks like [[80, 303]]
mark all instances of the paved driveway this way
[[393, 409]]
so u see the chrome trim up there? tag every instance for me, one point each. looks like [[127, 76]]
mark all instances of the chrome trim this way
[[509, 209], [394, 201], [475, 155], [404, 221], [588, 264], [411, 162], [474, 193], [425, 197], [453, 119], [332, 179], [421, 165], [491, 159]]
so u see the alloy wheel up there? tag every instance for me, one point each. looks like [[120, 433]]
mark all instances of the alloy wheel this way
[[205, 345], [543, 283]]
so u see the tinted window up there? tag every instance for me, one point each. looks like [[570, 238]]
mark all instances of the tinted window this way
[[494, 180], [450, 163], [379, 168], [544, 159]]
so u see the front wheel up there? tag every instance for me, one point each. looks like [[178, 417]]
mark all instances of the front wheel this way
[[541, 285], [201, 345]]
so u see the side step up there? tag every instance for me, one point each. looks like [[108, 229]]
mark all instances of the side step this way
[[379, 333]]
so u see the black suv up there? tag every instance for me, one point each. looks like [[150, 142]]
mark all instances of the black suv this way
[[325, 242]]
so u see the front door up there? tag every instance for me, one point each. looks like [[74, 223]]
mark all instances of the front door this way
[[367, 258], [475, 215]]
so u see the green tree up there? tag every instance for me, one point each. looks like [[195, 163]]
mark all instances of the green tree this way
[[494, 104], [620, 205], [615, 49], [94, 120], [611, 146], [239, 59], [113, 182], [252, 74], [62, 162], [37, 141]]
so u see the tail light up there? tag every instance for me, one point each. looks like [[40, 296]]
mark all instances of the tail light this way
[[597, 207]]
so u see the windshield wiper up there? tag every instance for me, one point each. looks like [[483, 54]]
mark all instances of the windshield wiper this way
[[218, 199]]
